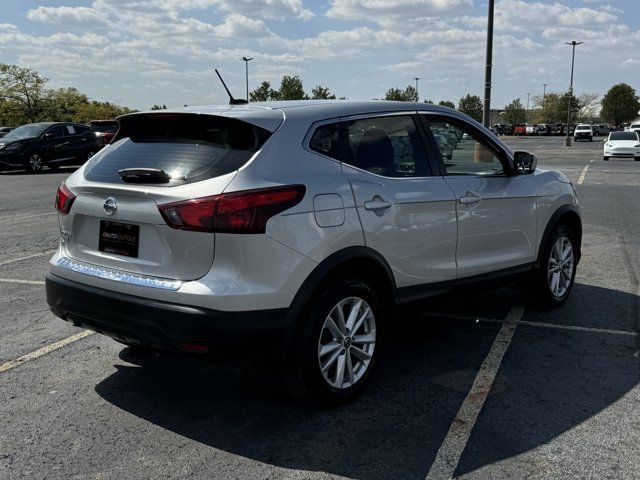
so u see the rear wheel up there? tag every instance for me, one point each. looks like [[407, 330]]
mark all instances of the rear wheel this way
[[339, 344], [34, 163], [637, 159], [606, 159], [551, 284]]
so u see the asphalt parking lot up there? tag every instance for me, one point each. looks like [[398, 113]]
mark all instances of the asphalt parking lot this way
[[473, 387]]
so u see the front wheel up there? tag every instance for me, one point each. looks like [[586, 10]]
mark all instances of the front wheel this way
[[552, 282], [34, 163], [338, 346], [606, 159], [637, 159]]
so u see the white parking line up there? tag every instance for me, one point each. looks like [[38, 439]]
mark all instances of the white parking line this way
[[19, 259], [528, 323], [44, 350], [583, 174], [17, 280], [27, 216], [455, 442]]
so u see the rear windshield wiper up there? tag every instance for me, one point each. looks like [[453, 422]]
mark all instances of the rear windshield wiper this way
[[144, 175]]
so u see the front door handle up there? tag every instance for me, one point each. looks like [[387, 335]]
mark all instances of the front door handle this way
[[377, 205]]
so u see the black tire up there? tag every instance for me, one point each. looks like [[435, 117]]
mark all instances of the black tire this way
[[591, 139], [637, 159], [538, 290], [302, 375], [34, 163], [606, 159]]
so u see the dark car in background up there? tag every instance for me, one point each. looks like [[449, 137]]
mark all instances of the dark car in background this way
[[543, 129], [105, 130], [52, 144]]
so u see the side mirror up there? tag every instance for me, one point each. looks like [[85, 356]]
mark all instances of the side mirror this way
[[48, 136], [524, 162]]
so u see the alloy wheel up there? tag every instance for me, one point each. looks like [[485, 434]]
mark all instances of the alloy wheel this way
[[560, 269], [347, 341], [35, 163]]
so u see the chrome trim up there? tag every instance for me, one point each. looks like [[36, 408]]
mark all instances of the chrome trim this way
[[118, 275]]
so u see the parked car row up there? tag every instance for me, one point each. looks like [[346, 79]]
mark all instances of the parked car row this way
[[53, 144], [548, 129]]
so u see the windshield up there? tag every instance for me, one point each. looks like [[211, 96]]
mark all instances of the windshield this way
[[623, 136], [583, 127], [26, 131]]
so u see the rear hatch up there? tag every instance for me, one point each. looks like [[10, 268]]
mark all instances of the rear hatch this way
[[154, 159]]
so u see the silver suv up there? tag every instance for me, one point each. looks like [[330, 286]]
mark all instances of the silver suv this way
[[297, 227]]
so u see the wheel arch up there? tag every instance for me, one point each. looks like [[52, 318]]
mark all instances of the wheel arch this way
[[362, 262], [565, 215]]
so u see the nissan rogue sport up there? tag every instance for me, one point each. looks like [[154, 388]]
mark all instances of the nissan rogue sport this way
[[297, 228]]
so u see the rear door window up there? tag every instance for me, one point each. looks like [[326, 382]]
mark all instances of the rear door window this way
[[188, 147]]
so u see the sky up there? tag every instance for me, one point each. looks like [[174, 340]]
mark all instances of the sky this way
[[143, 52]]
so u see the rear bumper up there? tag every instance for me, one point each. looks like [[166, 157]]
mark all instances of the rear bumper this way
[[169, 326]]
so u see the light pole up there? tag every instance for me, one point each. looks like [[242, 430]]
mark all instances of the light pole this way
[[416, 79], [246, 71], [486, 111], [567, 140], [528, 94]]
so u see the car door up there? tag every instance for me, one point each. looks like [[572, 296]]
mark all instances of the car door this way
[[55, 145], [407, 214], [77, 143], [496, 210]]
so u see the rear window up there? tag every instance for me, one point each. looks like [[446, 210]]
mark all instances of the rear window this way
[[188, 147]]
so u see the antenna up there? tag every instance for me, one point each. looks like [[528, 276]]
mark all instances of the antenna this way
[[232, 101]]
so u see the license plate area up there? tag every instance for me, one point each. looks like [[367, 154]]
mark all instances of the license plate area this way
[[119, 238]]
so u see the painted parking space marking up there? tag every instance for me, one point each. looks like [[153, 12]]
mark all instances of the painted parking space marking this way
[[19, 259], [27, 216], [44, 350], [17, 280], [455, 442], [528, 323], [583, 174]]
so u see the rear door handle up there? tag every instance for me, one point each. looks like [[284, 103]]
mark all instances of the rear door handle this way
[[470, 198], [377, 205]]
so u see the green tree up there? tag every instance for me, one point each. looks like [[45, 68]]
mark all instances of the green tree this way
[[515, 112], [429, 101], [321, 93], [447, 103], [94, 110], [548, 108], [409, 94], [562, 107], [620, 104], [61, 105], [471, 105], [291, 88], [22, 92], [264, 93]]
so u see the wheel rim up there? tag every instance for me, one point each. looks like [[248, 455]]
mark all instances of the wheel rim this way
[[90, 154], [347, 341], [35, 163], [560, 270]]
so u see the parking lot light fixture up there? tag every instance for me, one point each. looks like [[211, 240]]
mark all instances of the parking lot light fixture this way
[[573, 43], [246, 71]]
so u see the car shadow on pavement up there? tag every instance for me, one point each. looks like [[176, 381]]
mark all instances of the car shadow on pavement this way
[[395, 429], [46, 171]]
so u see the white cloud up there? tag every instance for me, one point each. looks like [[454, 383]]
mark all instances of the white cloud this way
[[66, 15], [382, 10]]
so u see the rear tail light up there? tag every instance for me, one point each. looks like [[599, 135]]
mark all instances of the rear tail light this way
[[239, 212], [64, 199]]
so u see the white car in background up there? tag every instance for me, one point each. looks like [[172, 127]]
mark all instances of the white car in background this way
[[622, 145], [583, 132], [635, 127]]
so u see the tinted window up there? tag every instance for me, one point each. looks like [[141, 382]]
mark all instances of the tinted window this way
[[189, 147], [57, 132], [463, 151], [325, 140], [387, 146], [71, 130]]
